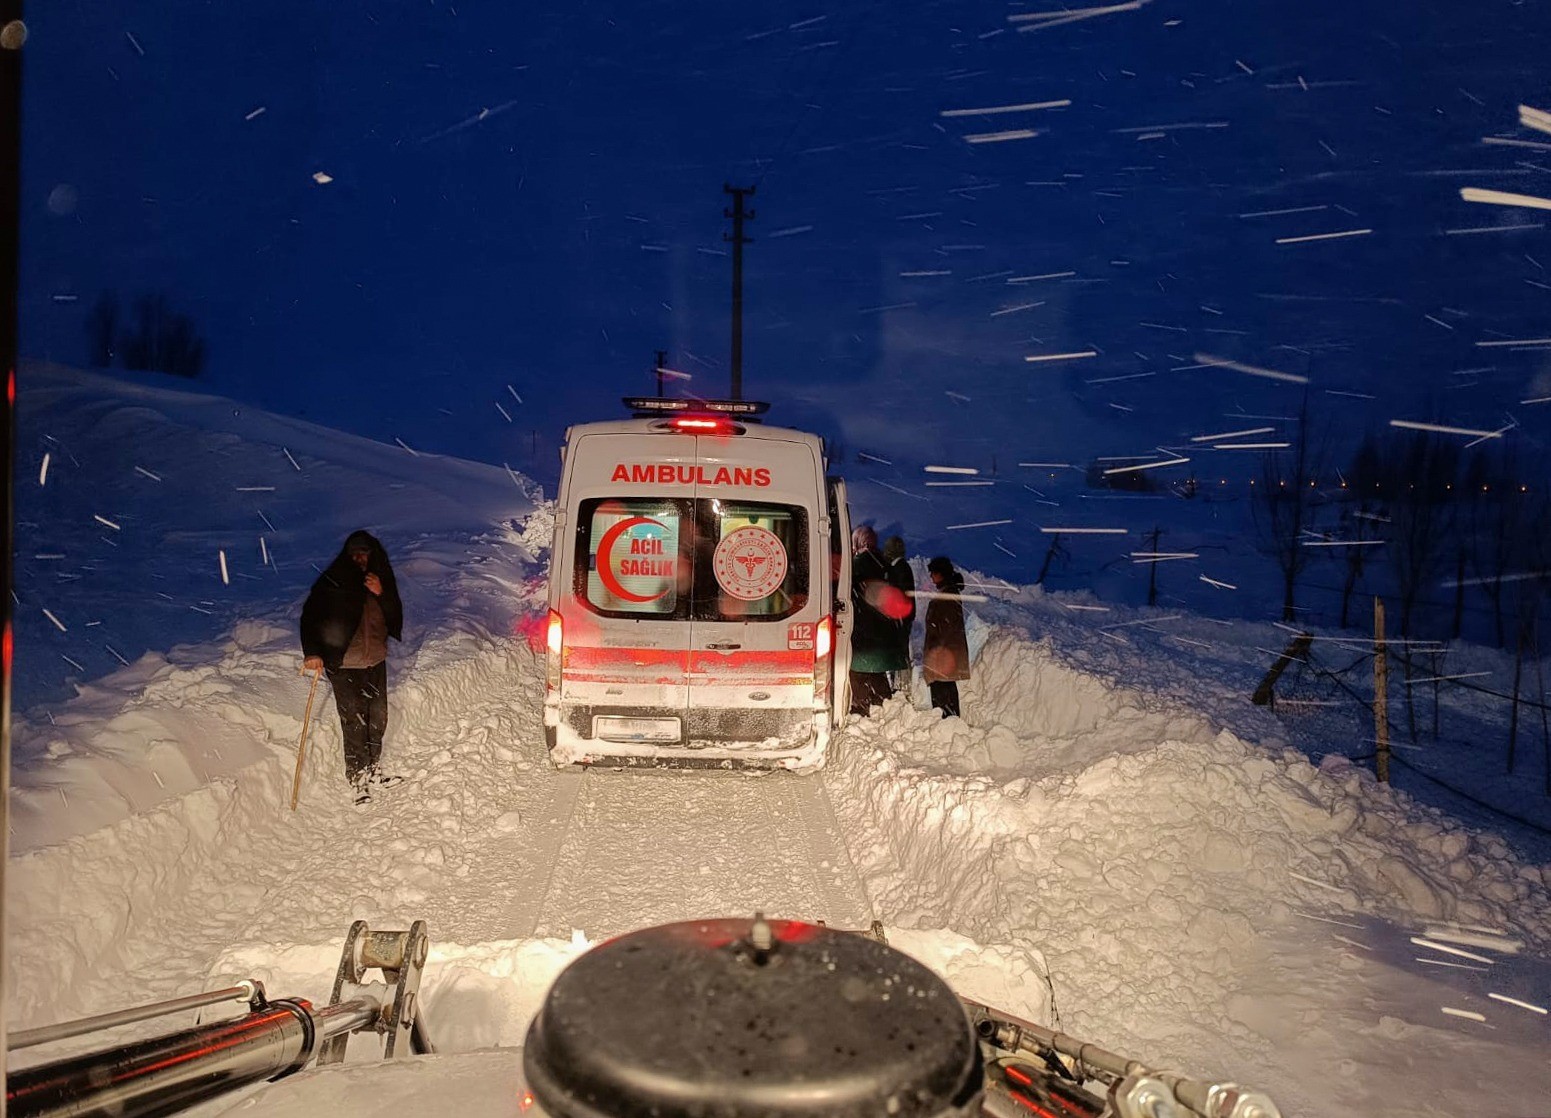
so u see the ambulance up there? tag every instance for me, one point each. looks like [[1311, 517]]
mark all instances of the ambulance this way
[[697, 592]]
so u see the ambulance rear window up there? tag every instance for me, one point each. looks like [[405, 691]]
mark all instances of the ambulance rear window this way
[[678, 558], [631, 550]]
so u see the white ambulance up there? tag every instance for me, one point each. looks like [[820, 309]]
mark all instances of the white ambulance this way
[[697, 592]]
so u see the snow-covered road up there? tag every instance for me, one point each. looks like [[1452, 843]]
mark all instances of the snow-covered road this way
[[1113, 840]]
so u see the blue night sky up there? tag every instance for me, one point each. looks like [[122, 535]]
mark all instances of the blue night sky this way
[[529, 194]]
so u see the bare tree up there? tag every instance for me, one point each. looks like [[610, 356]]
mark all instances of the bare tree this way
[[1423, 510], [1284, 505], [102, 331], [1499, 531], [162, 340]]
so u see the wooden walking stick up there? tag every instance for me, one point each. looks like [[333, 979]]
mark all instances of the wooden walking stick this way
[[301, 749]]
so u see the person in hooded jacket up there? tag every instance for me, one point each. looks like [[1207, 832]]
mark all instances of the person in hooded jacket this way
[[945, 651], [351, 612], [877, 606], [902, 578]]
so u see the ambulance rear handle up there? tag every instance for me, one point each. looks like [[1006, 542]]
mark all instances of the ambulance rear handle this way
[[724, 646]]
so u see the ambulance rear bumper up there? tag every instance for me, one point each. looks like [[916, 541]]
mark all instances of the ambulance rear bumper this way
[[710, 738]]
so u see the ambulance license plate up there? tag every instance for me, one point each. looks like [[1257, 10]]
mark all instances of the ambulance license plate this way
[[611, 727]]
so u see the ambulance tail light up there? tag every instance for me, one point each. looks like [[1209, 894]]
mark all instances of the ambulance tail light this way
[[555, 643], [823, 645]]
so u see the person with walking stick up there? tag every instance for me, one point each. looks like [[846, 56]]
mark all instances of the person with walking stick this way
[[351, 612]]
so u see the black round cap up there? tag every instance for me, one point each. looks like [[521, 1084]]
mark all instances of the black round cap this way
[[723, 1019]]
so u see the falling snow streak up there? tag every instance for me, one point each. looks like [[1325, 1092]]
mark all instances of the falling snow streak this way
[[978, 524], [1016, 309], [406, 446], [864, 456], [58, 624], [1250, 446], [971, 470], [1039, 21], [43, 470], [1514, 342], [1280, 213], [1250, 370], [105, 521], [1503, 141], [1445, 948], [225, 575], [1323, 236], [997, 109], [469, 122], [147, 473], [1467, 1014], [1503, 198], [1493, 229], [1515, 1001], [1063, 356], [1045, 276], [1145, 466], [287, 454], [949, 484], [1086, 531], [1001, 137], [1170, 127], [1218, 584], [1538, 119], [1232, 434], [1443, 429]]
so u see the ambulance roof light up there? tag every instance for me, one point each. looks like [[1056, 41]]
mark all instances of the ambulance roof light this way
[[656, 405]]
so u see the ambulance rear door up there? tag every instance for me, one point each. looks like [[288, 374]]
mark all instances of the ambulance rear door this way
[[840, 595], [756, 609], [626, 668]]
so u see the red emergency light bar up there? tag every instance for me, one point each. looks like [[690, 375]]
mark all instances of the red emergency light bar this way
[[704, 425]]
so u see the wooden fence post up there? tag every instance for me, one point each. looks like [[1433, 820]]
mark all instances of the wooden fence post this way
[[1380, 692], [1265, 693]]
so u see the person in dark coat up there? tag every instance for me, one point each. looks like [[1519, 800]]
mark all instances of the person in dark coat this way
[[902, 578], [945, 651], [875, 607], [351, 612]]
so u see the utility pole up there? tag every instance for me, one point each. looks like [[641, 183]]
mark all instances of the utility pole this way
[[738, 215], [662, 357]]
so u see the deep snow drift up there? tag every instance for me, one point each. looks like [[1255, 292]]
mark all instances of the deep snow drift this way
[[1113, 839]]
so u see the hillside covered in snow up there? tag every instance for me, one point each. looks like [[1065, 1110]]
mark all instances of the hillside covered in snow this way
[[1113, 839]]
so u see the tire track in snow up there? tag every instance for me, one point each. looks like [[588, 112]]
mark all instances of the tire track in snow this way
[[564, 790], [653, 846]]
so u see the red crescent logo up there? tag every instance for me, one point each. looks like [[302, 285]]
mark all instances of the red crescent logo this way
[[605, 560]]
